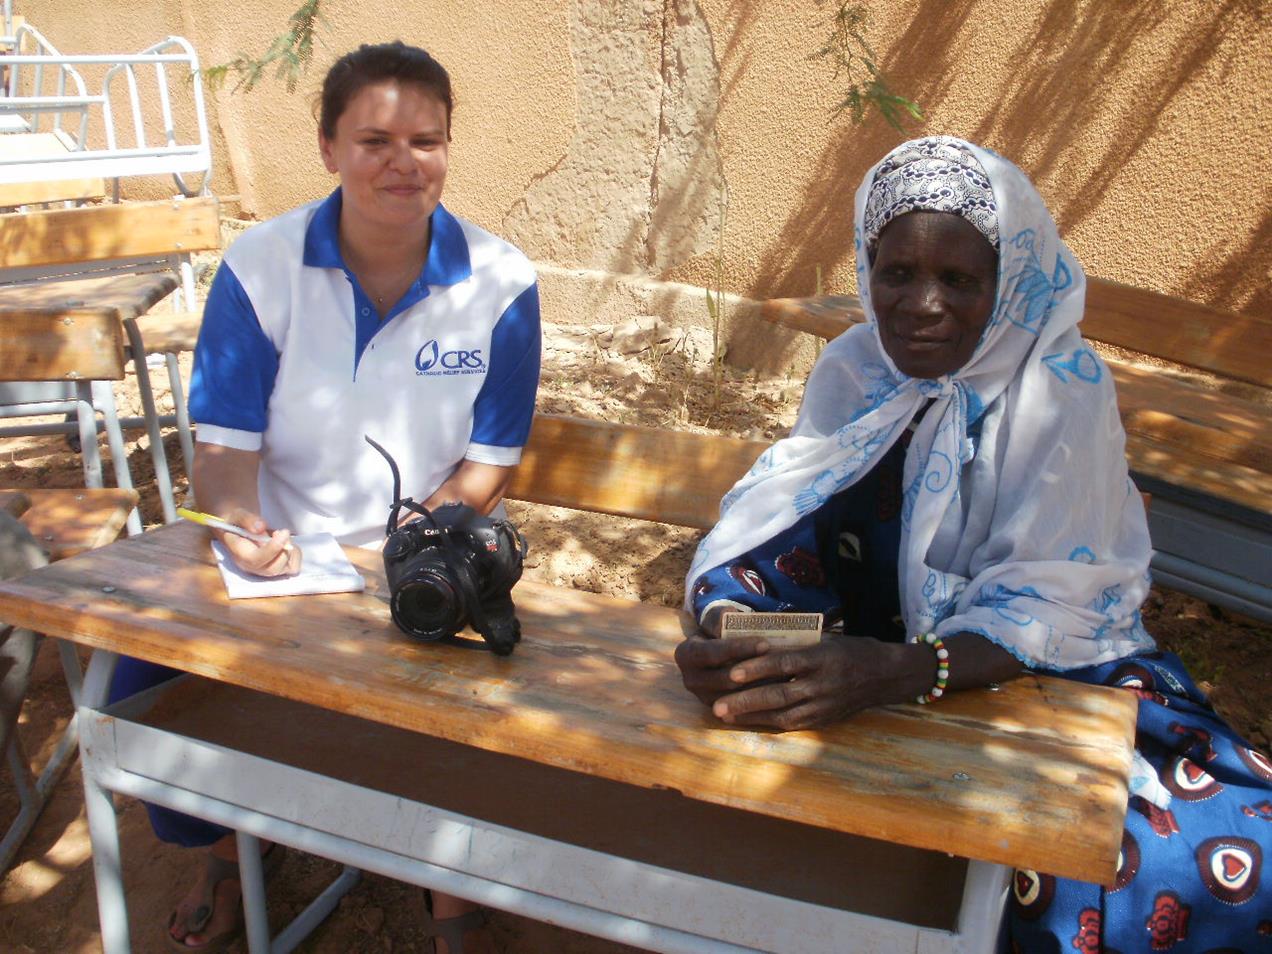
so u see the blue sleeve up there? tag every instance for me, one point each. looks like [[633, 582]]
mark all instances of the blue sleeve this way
[[235, 364], [784, 574], [504, 408]]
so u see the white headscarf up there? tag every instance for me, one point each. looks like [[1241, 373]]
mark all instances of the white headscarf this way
[[1038, 541]]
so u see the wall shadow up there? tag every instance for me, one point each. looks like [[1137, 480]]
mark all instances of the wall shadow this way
[[1063, 96]]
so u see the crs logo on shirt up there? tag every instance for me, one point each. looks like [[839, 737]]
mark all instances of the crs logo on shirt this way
[[431, 359]]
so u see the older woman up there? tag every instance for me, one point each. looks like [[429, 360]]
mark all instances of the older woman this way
[[374, 311], [955, 495]]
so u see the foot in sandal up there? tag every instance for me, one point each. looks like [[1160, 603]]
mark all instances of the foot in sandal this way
[[210, 916], [458, 926]]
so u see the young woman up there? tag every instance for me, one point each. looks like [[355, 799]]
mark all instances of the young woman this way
[[373, 312]]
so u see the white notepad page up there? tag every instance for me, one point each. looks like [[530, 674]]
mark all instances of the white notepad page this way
[[324, 568]]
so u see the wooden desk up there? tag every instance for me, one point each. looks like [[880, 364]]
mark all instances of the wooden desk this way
[[63, 522], [114, 299], [1032, 776]]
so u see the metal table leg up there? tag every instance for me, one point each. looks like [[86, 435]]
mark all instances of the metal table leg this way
[[118, 453], [103, 827], [163, 480], [182, 412]]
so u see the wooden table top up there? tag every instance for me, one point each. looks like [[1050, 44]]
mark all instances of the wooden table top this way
[[117, 296], [1033, 775]]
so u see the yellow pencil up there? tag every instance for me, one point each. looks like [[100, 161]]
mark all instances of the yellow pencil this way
[[219, 523]]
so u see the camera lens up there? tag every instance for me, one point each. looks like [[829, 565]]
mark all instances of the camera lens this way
[[428, 606]]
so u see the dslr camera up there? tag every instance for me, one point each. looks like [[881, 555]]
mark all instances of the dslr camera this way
[[450, 568]]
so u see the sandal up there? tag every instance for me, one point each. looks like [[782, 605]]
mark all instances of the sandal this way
[[215, 871], [452, 930]]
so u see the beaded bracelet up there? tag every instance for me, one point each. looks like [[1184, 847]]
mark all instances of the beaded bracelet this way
[[942, 667]]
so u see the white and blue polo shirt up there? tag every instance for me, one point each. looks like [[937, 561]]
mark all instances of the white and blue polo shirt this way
[[293, 361]]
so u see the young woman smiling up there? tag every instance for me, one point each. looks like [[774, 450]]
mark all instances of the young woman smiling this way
[[340, 319]]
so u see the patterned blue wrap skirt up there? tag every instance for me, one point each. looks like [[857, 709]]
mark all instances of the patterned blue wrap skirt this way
[[1197, 841]]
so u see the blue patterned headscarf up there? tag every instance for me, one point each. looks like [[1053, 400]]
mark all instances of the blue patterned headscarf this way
[[1025, 529], [936, 174]]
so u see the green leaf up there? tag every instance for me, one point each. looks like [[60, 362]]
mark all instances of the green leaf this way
[[848, 50], [289, 52]]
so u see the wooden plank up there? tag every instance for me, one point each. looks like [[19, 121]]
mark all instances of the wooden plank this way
[[55, 190], [98, 233], [1219, 448], [39, 146], [1033, 775], [121, 296], [571, 462], [1185, 468], [67, 522], [650, 474], [827, 316], [170, 332], [77, 345], [1147, 390], [1185, 332], [1194, 438]]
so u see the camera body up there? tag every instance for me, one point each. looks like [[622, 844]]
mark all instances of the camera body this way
[[452, 567]]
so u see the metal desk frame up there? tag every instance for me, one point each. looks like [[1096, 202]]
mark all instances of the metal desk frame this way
[[620, 899]]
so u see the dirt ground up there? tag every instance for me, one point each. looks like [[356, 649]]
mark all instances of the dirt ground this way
[[633, 374]]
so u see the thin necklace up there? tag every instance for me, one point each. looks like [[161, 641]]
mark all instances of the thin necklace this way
[[413, 271]]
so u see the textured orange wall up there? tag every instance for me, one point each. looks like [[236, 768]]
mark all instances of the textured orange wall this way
[[1144, 124], [603, 135]]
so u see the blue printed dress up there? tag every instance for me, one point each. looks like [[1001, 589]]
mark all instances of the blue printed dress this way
[[1199, 833]]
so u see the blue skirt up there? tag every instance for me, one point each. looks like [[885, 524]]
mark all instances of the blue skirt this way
[[1197, 841]]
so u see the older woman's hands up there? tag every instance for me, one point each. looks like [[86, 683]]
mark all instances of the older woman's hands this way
[[706, 664], [748, 682]]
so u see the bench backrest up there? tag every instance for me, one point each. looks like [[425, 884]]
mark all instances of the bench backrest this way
[[108, 233], [646, 473], [1184, 332]]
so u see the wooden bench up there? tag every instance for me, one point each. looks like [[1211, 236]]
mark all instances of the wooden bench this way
[[81, 346], [64, 523], [645, 473], [562, 772], [1199, 443], [117, 260]]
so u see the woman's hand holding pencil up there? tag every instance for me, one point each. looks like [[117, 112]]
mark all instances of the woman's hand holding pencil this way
[[250, 542]]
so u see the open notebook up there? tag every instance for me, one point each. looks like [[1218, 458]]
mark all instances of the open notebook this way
[[324, 568]]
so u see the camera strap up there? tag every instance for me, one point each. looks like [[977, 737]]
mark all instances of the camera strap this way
[[398, 502]]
